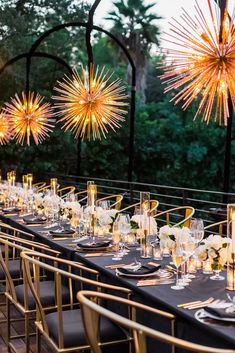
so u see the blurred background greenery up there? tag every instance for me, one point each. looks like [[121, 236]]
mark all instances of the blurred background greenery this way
[[170, 148]]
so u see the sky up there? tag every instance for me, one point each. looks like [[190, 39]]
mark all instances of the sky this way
[[164, 8]]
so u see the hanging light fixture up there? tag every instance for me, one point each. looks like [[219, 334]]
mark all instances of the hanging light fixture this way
[[30, 118], [5, 129], [91, 103], [202, 66]]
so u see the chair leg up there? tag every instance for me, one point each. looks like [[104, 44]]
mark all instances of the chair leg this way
[[8, 307], [26, 325], [38, 341]]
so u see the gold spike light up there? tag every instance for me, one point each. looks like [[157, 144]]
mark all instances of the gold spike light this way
[[91, 104], [5, 129], [201, 66], [30, 118]]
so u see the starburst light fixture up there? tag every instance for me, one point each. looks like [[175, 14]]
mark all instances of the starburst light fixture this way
[[90, 104], [29, 117], [202, 66], [5, 129]]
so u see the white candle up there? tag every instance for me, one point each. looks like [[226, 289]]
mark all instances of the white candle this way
[[233, 232]]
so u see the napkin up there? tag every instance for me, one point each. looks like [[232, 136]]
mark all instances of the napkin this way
[[34, 220], [59, 232], [219, 312], [143, 270]]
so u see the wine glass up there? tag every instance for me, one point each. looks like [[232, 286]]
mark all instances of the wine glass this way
[[188, 248], [197, 230], [124, 226], [104, 204], [177, 258]]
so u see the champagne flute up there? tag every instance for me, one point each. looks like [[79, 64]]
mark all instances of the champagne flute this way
[[177, 258], [197, 230]]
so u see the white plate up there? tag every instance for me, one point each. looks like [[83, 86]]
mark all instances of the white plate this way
[[202, 314], [159, 272]]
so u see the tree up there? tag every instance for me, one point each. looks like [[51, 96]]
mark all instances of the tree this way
[[135, 26]]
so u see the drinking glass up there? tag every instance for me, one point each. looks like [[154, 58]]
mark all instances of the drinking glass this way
[[124, 226], [177, 258], [188, 248], [104, 204], [116, 237], [197, 230]]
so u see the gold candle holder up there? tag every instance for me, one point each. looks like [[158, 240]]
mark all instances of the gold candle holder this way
[[54, 184], [91, 196], [30, 180], [231, 256], [25, 181], [9, 178], [231, 274]]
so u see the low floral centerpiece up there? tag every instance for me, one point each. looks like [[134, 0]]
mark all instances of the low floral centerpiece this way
[[217, 249]]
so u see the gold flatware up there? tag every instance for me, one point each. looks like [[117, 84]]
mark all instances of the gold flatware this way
[[113, 267], [11, 214], [189, 304], [155, 282], [200, 305], [61, 238], [97, 254]]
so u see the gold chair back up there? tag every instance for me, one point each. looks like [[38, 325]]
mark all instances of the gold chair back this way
[[93, 311], [117, 200], [63, 192], [216, 227], [188, 213], [52, 265], [153, 207], [39, 185]]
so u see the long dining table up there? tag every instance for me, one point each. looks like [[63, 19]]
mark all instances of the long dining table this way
[[215, 333]]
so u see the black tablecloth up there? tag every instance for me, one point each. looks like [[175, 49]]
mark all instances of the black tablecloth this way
[[161, 296]]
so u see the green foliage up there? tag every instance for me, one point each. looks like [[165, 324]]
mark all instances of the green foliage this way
[[170, 148]]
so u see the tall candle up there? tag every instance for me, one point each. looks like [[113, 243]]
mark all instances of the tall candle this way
[[13, 179], [233, 232], [30, 180], [54, 185]]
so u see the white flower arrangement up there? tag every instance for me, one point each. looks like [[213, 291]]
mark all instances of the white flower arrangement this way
[[217, 249], [169, 235], [69, 209], [136, 223]]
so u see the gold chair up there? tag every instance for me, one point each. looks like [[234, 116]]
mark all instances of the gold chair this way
[[10, 230], [217, 225], [153, 207], [93, 312], [188, 213], [44, 188], [63, 192], [82, 193], [39, 185], [15, 293], [117, 203], [63, 329]]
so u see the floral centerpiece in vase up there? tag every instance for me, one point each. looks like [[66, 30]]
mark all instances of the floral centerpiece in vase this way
[[169, 235], [217, 249], [104, 219]]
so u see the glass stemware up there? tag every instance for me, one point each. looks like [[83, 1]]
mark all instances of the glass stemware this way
[[124, 226], [177, 258], [116, 237], [197, 230]]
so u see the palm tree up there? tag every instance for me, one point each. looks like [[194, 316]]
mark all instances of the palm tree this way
[[134, 25]]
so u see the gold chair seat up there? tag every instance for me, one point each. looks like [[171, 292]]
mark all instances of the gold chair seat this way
[[73, 331], [47, 295], [14, 268]]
